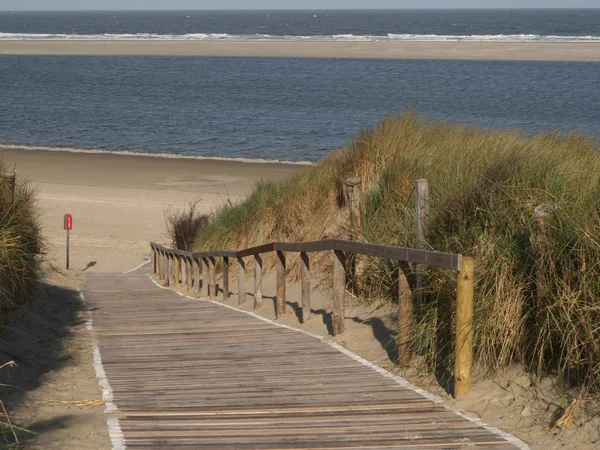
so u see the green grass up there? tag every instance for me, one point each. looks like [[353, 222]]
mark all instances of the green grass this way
[[484, 186], [20, 245]]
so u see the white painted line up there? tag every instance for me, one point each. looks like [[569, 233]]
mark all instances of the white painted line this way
[[141, 265], [401, 381], [114, 428]]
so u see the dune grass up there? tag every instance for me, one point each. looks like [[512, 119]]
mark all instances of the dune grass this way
[[20, 245], [484, 186]]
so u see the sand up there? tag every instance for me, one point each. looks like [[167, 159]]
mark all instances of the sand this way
[[119, 202], [531, 51]]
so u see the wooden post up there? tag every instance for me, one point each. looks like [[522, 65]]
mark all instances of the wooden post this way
[[196, 275], [205, 279], [339, 291], [280, 284], [189, 276], [164, 268], [422, 228], [177, 262], [153, 259], [183, 265], [212, 287], [405, 318], [241, 281], [541, 231], [171, 272], [257, 281], [305, 287], [463, 345], [225, 278], [354, 199]]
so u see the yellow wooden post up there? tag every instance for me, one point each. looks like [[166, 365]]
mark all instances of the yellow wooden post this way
[[176, 269], [463, 360]]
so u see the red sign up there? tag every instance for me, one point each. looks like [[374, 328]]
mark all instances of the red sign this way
[[68, 222]]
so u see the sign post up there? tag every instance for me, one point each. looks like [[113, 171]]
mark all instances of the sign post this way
[[68, 227]]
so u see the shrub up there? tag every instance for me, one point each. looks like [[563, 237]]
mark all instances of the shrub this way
[[184, 224]]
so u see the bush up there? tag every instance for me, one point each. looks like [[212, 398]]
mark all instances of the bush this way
[[20, 245], [183, 225], [484, 186]]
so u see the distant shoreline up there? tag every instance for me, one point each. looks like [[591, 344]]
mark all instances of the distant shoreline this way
[[508, 51]]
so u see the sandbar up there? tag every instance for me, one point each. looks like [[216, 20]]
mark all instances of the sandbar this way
[[517, 51]]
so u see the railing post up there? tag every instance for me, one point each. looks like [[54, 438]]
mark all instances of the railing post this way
[[177, 262], [225, 278], [189, 275], [281, 266], [405, 318], [305, 287], [354, 198], [183, 265], [339, 291], [171, 271], [422, 228], [164, 272], [541, 231], [257, 281], [205, 278], [241, 281], [463, 345], [212, 286], [153, 259], [196, 263]]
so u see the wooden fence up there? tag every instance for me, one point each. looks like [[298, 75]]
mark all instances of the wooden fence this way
[[197, 271]]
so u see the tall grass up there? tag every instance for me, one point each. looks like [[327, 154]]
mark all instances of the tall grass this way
[[484, 186], [20, 245]]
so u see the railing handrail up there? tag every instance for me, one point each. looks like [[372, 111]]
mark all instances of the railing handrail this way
[[452, 261]]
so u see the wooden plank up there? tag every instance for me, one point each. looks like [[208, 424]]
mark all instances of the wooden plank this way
[[256, 250], [257, 281], [306, 247], [241, 280], [225, 278], [463, 345], [281, 284], [305, 262], [339, 291]]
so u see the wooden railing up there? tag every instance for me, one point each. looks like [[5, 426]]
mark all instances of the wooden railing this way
[[197, 271]]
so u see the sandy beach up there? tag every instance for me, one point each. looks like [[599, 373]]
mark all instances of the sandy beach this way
[[119, 202], [532, 51]]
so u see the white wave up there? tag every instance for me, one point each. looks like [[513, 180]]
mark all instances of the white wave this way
[[153, 155], [391, 37]]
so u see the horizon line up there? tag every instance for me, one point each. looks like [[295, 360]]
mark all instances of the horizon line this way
[[305, 9]]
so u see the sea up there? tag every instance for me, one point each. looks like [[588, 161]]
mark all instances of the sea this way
[[284, 109]]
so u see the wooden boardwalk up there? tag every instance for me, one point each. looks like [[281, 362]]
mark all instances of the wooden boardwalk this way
[[192, 373]]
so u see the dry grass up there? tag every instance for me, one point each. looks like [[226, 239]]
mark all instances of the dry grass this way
[[184, 224], [484, 186]]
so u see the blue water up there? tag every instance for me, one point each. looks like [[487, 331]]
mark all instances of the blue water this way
[[274, 108], [537, 25]]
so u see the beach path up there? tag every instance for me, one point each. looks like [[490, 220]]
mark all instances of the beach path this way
[[181, 371]]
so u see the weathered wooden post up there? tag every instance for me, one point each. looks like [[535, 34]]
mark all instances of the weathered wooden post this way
[[463, 345], [189, 275], [354, 199], [11, 181], [405, 318], [183, 265], [422, 228], [196, 275], [171, 271], [176, 269], [257, 281], [212, 286], [153, 259], [339, 291], [281, 284], [241, 281], [541, 214], [305, 287], [225, 278], [205, 278]]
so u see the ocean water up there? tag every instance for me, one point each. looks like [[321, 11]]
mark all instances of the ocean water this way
[[274, 108], [283, 108], [495, 25]]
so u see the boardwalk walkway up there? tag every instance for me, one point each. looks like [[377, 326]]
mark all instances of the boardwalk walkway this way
[[187, 372]]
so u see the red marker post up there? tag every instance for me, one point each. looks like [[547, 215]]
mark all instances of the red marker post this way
[[68, 227]]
